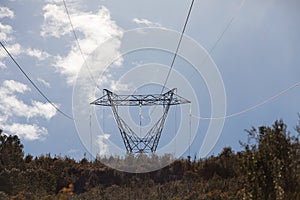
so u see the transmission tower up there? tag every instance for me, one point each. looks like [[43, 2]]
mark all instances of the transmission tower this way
[[149, 142]]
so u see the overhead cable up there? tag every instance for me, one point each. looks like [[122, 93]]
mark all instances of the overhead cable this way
[[79, 46], [178, 45], [266, 101], [34, 85]]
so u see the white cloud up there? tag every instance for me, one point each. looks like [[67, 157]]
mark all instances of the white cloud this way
[[5, 31], [6, 36], [91, 28], [103, 144], [146, 22], [40, 55], [14, 49], [118, 87], [45, 83], [56, 21], [6, 12], [45, 110], [11, 106], [11, 86], [26, 131]]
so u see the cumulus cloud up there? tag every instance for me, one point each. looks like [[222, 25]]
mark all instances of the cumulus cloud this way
[[56, 21], [6, 36], [11, 86], [5, 31], [146, 22], [45, 83], [119, 87], [40, 55], [27, 131], [93, 29], [6, 12], [11, 106], [102, 141], [16, 49]]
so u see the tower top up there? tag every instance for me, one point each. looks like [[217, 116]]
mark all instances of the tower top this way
[[111, 99]]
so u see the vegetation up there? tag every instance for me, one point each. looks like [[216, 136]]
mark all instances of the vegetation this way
[[267, 168]]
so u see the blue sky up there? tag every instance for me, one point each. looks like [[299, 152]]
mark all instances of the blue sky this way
[[257, 57]]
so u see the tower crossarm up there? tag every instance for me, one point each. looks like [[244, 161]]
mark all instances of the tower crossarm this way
[[168, 98]]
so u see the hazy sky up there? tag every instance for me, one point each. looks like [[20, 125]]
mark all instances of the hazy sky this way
[[257, 57]]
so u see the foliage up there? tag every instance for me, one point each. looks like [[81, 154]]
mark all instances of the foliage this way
[[267, 168], [11, 151], [269, 163]]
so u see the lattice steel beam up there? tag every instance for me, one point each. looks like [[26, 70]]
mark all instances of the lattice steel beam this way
[[168, 98], [133, 143]]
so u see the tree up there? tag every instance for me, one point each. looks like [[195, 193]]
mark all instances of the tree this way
[[267, 163], [11, 151]]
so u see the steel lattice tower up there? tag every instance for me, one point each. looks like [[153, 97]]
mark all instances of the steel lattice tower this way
[[134, 143]]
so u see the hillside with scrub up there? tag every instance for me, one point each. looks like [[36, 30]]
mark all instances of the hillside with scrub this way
[[267, 167]]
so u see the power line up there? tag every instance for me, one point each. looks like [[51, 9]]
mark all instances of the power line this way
[[176, 51], [227, 27], [78, 44], [178, 45], [221, 35], [268, 100], [34, 85]]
